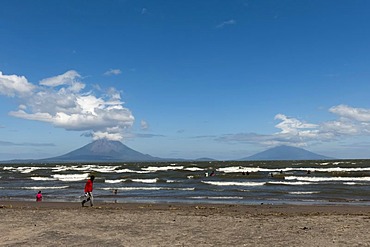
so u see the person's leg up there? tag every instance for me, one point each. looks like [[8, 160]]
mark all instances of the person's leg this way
[[87, 198], [91, 199]]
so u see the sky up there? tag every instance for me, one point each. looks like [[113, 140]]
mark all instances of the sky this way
[[185, 79]]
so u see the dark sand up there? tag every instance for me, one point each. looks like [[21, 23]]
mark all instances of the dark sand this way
[[127, 224]]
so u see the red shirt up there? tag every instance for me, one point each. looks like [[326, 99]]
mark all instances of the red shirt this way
[[89, 186], [38, 197]]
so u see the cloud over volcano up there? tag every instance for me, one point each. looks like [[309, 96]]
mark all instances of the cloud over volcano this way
[[64, 102]]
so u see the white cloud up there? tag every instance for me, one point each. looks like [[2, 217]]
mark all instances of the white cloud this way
[[107, 135], [113, 72], [225, 23], [292, 125], [69, 108], [144, 125], [38, 116], [13, 85], [351, 122], [358, 114], [68, 78]]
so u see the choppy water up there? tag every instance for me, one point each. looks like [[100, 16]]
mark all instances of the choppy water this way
[[277, 182]]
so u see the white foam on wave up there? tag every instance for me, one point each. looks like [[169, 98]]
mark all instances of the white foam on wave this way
[[172, 181], [130, 171], [104, 169], [133, 188], [183, 188], [223, 183], [8, 168], [147, 188], [334, 163], [162, 168], [225, 197], [350, 183], [217, 197], [70, 168], [114, 181], [43, 179], [327, 179], [45, 187], [25, 169], [340, 169], [240, 169], [354, 183], [303, 192], [97, 168], [71, 177], [145, 180], [289, 183], [193, 169]]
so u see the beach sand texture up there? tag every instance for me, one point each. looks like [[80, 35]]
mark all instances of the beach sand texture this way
[[68, 224]]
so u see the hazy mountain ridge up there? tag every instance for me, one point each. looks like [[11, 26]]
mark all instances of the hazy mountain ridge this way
[[114, 151], [286, 153]]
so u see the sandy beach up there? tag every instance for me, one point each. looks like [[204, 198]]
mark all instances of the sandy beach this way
[[123, 224]]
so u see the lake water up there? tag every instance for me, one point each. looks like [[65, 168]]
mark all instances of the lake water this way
[[247, 182]]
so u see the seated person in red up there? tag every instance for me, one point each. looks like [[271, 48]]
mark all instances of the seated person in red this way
[[39, 197]]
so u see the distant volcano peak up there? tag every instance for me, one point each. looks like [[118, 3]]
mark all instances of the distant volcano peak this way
[[106, 146], [285, 152], [104, 150]]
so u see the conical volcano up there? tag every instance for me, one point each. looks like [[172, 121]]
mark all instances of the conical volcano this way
[[104, 150]]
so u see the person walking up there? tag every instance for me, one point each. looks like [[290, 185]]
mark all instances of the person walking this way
[[88, 191]]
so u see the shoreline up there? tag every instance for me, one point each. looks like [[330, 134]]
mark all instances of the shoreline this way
[[259, 209], [27, 223]]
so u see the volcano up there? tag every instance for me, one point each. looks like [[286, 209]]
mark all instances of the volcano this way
[[286, 153], [103, 150]]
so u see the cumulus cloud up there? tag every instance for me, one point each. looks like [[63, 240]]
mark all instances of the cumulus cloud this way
[[113, 72], [13, 85], [350, 122], [226, 23], [292, 125], [357, 114], [61, 101]]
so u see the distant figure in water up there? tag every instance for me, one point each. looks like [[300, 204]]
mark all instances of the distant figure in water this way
[[308, 172], [115, 191], [212, 173], [39, 196]]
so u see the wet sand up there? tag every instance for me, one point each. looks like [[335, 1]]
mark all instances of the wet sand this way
[[129, 224]]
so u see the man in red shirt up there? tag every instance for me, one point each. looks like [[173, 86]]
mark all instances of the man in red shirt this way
[[88, 191]]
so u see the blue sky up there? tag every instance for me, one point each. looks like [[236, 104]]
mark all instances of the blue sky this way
[[185, 79]]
